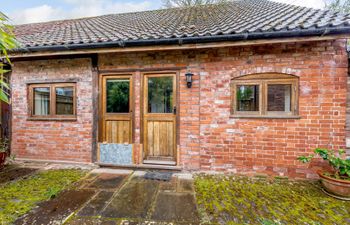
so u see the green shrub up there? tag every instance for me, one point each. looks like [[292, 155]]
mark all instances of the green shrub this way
[[340, 165]]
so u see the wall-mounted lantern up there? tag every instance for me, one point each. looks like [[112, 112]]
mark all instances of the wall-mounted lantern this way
[[189, 76]]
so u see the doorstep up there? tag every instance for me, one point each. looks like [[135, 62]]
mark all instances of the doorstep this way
[[141, 166]]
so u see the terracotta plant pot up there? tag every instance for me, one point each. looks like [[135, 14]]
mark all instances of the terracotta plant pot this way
[[2, 159], [338, 188]]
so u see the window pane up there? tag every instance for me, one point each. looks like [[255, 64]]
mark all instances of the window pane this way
[[64, 101], [117, 93], [279, 97], [160, 94], [41, 101], [248, 98]]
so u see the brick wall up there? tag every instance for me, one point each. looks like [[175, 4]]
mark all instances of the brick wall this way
[[209, 138], [52, 140]]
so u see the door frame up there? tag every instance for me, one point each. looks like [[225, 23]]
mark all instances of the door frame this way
[[142, 109], [101, 110]]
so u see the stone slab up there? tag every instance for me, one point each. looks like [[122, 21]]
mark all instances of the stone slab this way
[[96, 205], [185, 186], [107, 181], [57, 210], [91, 221], [112, 171], [133, 201], [14, 174], [177, 207], [184, 176]]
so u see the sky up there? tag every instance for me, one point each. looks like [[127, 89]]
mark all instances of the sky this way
[[31, 11]]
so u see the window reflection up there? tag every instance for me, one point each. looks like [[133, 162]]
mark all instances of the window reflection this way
[[160, 94]]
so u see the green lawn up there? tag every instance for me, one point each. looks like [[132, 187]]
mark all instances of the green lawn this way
[[20, 196], [241, 200]]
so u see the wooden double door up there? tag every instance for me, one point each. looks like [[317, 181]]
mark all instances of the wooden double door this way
[[157, 111]]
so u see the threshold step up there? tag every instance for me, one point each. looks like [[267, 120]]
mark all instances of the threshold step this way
[[140, 166], [159, 162]]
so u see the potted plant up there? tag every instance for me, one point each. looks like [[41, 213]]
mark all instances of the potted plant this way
[[3, 152], [335, 182]]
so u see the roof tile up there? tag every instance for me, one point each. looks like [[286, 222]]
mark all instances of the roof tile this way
[[237, 17]]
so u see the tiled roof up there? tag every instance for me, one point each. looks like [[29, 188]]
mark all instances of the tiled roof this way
[[245, 19]]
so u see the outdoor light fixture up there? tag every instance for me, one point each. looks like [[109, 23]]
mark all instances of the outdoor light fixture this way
[[189, 79]]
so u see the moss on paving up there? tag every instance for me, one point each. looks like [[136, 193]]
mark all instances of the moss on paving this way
[[242, 200], [20, 196]]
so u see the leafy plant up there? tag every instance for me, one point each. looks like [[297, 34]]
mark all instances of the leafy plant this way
[[53, 192], [340, 165], [7, 42]]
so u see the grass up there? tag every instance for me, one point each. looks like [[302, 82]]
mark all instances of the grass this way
[[19, 197], [241, 200]]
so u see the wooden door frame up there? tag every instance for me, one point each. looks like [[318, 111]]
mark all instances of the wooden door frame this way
[[142, 107], [101, 110]]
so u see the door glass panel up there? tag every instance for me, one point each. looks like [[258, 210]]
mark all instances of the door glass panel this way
[[160, 94], [64, 101], [279, 97], [248, 98], [117, 92], [41, 101]]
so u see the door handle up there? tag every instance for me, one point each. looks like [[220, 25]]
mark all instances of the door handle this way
[[174, 110]]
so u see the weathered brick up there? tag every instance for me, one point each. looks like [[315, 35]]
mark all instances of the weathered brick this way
[[209, 139]]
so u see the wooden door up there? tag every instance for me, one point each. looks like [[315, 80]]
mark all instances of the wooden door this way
[[159, 118], [116, 109]]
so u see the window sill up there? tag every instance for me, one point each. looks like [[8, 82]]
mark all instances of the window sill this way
[[264, 117], [71, 119]]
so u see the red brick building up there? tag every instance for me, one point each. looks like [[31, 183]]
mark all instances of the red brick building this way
[[241, 87]]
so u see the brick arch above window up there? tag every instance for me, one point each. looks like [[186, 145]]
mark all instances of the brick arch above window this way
[[265, 95], [265, 69], [265, 76]]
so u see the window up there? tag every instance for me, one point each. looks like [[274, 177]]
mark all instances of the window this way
[[52, 101], [265, 95], [117, 95], [160, 95]]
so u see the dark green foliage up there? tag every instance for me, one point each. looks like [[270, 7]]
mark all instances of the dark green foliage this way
[[340, 165], [7, 42], [245, 94], [4, 145], [118, 97]]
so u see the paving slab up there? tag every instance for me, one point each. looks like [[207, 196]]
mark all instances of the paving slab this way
[[57, 210], [145, 222], [96, 205], [15, 173], [139, 173], [91, 221], [169, 186], [184, 176], [185, 185], [112, 171], [107, 181], [133, 201], [177, 207]]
